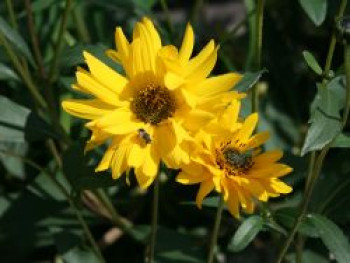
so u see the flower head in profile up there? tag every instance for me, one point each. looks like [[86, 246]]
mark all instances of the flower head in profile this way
[[230, 161], [147, 112]]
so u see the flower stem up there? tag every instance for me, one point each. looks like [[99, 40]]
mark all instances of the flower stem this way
[[23, 73], [154, 220], [12, 15], [215, 233], [70, 200], [258, 49], [316, 163], [58, 46]]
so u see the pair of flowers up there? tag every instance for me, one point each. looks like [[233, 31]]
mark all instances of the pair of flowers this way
[[165, 107]]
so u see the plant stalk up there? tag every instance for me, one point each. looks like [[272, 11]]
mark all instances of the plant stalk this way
[[154, 224], [317, 167], [23, 73], [214, 236], [12, 15], [258, 50]]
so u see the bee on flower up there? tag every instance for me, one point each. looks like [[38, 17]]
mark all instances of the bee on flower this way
[[148, 113], [229, 160]]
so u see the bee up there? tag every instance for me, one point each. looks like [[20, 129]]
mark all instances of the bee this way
[[237, 159], [144, 136]]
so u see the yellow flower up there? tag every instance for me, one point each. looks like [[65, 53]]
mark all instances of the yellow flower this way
[[230, 161], [146, 114]]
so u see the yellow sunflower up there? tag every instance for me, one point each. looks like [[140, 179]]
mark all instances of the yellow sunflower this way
[[146, 114], [229, 160]]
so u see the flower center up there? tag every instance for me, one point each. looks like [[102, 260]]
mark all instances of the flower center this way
[[153, 104], [232, 161]]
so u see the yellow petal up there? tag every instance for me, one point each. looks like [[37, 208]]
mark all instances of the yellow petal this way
[[143, 180], [272, 170], [187, 44], [106, 159], [233, 205], [281, 187], [215, 85], [257, 140], [173, 81], [165, 138], [248, 127], [122, 44], [136, 155], [87, 109], [93, 87], [157, 43], [203, 69], [119, 164], [205, 188], [151, 161], [108, 77], [196, 119], [268, 157]]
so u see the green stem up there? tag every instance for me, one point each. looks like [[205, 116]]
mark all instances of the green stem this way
[[117, 219], [22, 72], [154, 220], [59, 42], [315, 172], [167, 14], [332, 43], [258, 49], [71, 202], [214, 237], [34, 38], [12, 15], [80, 23]]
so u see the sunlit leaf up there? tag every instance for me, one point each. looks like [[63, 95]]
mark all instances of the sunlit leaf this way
[[248, 81], [312, 62], [333, 237], [246, 233], [316, 10], [7, 73], [342, 141], [15, 39], [325, 118]]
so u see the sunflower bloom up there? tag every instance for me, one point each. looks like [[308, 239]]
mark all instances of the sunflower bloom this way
[[147, 113], [230, 162]]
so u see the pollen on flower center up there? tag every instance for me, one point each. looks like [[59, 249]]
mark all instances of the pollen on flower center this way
[[153, 104], [233, 161]]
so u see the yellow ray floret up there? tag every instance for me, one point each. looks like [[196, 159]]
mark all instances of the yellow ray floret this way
[[228, 160], [149, 113]]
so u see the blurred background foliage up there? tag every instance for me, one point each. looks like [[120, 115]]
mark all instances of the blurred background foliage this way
[[40, 144]]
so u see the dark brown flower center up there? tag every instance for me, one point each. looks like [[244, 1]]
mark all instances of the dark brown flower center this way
[[232, 161], [153, 104]]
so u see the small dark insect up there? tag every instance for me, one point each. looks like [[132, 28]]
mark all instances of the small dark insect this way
[[144, 136], [238, 159]]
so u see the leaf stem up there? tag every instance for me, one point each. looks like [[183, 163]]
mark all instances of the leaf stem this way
[[165, 8], [23, 73], [34, 38], [154, 220], [214, 236], [258, 50], [316, 163], [71, 202], [12, 15], [58, 46]]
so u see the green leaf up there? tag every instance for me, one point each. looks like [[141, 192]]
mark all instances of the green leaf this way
[[333, 237], [246, 233], [308, 256], [342, 141], [6, 73], [316, 10], [312, 62], [15, 39], [80, 175], [19, 124], [39, 5], [248, 81], [286, 217], [175, 247], [79, 254], [325, 118]]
